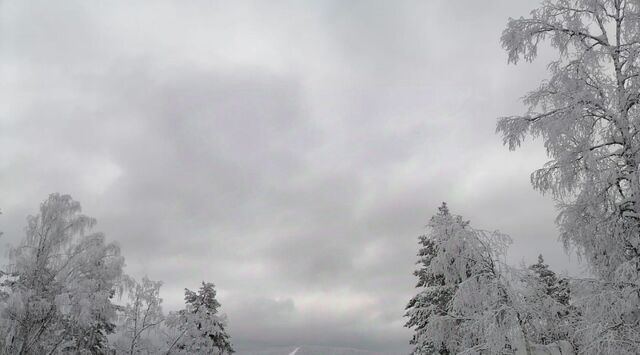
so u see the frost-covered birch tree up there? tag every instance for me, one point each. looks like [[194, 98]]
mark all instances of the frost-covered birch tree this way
[[201, 329], [464, 305], [588, 117], [63, 281], [140, 316]]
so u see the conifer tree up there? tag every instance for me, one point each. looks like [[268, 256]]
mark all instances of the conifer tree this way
[[554, 287], [464, 304], [201, 329], [546, 312], [434, 298]]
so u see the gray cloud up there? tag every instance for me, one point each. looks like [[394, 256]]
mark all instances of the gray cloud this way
[[291, 153]]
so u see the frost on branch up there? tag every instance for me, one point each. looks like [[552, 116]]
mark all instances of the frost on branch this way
[[609, 321]]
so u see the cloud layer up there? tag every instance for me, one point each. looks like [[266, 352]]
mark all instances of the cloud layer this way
[[289, 152]]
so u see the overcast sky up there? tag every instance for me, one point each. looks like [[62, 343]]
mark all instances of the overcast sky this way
[[289, 152]]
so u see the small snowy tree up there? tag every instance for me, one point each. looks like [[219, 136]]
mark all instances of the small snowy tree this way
[[60, 299], [554, 287], [140, 316], [201, 330], [465, 305], [545, 310]]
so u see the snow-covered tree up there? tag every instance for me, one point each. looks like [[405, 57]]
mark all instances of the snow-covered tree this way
[[432, 301], [201, 330], [554, 287], [465, 305], [545, 310], [63, 281], [609, 318], [588, 117], [139, 317]]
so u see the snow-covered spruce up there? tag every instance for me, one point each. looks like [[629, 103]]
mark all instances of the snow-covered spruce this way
[[544, 304], [201, 330], [464, 305]]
